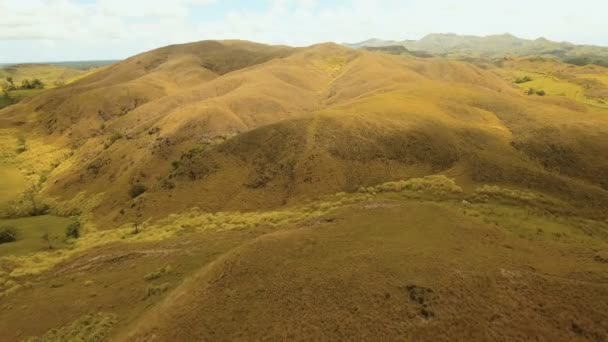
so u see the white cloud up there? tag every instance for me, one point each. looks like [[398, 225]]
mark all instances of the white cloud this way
[[91, 29]]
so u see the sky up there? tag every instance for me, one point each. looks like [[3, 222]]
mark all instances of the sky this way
[[71, 30]]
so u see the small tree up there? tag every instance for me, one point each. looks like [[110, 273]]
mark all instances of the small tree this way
[[11, 84], [47, 239], [73, 230]]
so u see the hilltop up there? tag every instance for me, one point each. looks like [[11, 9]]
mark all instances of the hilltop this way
[[230, 190]]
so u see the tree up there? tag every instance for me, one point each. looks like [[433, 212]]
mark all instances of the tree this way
[[37, 84], [48, 239], [8, 85], [25, 84]]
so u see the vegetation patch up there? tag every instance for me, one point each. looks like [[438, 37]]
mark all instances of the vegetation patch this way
[[158, 273], [524, 79], [154, 290], [137, 190], [32, 234], [436, 184], [93, 327], [8, 234]]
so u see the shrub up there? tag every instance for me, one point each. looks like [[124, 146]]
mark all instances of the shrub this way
[[523, 79], [8, 234], [115, 136], [158, 273], [73, 230], [137, 189], [540, 93], [157, 289], [21, 144]]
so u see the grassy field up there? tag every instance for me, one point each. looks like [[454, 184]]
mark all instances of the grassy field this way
[[12, 183], [30, 231], [414, 257]]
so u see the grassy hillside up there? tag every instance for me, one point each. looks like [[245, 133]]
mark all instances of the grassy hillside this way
[[373, 193]]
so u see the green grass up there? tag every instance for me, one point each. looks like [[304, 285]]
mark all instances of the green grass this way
[[12, 183], [31, 230]]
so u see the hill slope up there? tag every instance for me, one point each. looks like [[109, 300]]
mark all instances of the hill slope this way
[[242, 126]]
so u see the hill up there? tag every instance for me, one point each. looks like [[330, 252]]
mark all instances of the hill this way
[[498, 46], [218, 188], [13, 76]]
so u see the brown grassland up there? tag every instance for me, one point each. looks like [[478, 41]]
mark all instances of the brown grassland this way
[[228, 190]]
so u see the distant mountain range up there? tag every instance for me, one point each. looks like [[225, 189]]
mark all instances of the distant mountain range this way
[[82, 65], [495, 46]]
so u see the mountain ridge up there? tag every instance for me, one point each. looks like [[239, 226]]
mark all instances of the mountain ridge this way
[[497, 46]]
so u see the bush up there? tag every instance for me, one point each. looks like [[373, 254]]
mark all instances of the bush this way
[[158, 273], [8, 234], [137, 189], [157, 289], [533, 91], [523, 79], [73, 230]]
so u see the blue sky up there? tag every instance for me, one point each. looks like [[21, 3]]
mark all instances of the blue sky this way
[[56, 30]]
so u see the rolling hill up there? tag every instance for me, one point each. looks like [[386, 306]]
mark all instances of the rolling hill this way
[[51, 75], [224, 186]]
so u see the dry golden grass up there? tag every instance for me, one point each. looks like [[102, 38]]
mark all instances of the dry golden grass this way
[[450, 185], [241, 126]]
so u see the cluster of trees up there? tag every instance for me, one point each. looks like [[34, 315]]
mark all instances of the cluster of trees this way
[[9, 84]]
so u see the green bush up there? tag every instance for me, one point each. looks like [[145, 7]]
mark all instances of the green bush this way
[[540, 93], [523, 79], [8, 234], [73, 230], [137, 189]]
